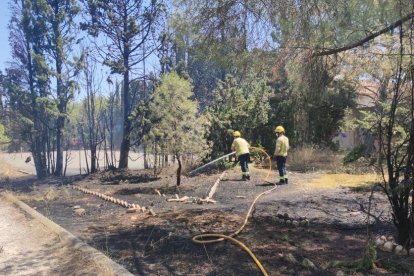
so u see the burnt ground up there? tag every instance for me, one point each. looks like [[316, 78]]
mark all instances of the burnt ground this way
[[334, 240]]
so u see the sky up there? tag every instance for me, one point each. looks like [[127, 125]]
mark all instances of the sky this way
[[5, 50], [5, 54]]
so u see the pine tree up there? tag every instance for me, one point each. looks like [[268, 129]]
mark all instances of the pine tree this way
[[128, 26], [177, 128]]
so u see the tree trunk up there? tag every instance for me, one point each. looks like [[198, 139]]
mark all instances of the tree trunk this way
[[61, 97], [403, 225], [93, 159], [146, 166], [37, 141], [86, 160], [84, 148], [179, 169], [126, 136], [67, 159], [125, 145], [59, 147], [38, 157], [92, 129], [155, 159]]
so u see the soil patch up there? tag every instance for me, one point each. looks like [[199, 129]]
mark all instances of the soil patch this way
[[162, 245]]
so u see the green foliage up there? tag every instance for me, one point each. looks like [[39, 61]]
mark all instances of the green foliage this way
[[125, 24], [48, 106], [3, 137], [242, 107], [319, 101], [214, 39], [327, 113], [355, 154], [339, 24], [177, 128], [364, 264], [387, 118]]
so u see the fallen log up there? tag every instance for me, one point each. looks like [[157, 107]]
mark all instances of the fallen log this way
[[24, 172], [208, 200], [178, 199], [215, 185]]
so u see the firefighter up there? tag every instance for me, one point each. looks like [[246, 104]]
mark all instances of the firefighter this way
[[241, 146], [281, 152]]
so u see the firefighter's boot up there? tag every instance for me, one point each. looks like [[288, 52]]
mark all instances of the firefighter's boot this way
[[281, 182]]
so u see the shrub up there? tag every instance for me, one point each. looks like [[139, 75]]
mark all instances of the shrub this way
[[356, 153]]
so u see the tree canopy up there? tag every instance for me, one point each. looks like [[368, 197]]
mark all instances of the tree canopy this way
[[177, 128]]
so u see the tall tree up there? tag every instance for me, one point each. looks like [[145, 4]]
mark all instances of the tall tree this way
[[127, 26], [27, 81], [385, 57], [389, 119], [61, 39], [93, 105], [176, 126]]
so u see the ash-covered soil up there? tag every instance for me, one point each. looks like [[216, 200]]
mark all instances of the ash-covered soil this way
[[162, 245]]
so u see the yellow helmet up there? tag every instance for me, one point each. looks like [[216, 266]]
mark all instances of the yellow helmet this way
[[236, 134], [279, 129]]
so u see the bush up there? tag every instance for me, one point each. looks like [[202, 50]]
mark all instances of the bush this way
[[355, 154]]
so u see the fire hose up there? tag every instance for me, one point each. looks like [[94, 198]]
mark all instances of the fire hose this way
[[214, 238]]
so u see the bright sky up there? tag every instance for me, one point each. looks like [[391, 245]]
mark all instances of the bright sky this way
[[5, 50], [4, 34]]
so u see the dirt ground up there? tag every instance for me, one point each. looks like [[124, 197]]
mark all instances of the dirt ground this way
[[27, 247], [333, 240]]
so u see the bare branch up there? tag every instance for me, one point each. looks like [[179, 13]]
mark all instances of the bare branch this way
[[366, 39]]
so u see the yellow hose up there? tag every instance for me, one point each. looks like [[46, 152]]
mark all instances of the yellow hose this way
[[237, 242], [220, 237]]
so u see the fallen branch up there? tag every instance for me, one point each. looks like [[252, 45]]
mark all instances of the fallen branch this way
[[24, 172], [208, 200], [215, 185], [178, 199]]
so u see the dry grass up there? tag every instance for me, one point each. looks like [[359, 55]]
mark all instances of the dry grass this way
[[8, 172], [78, 262], [104, 269], [309, 158], [328, 181], [65, 193], [30, 198], [5, 174], [51, 194]]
